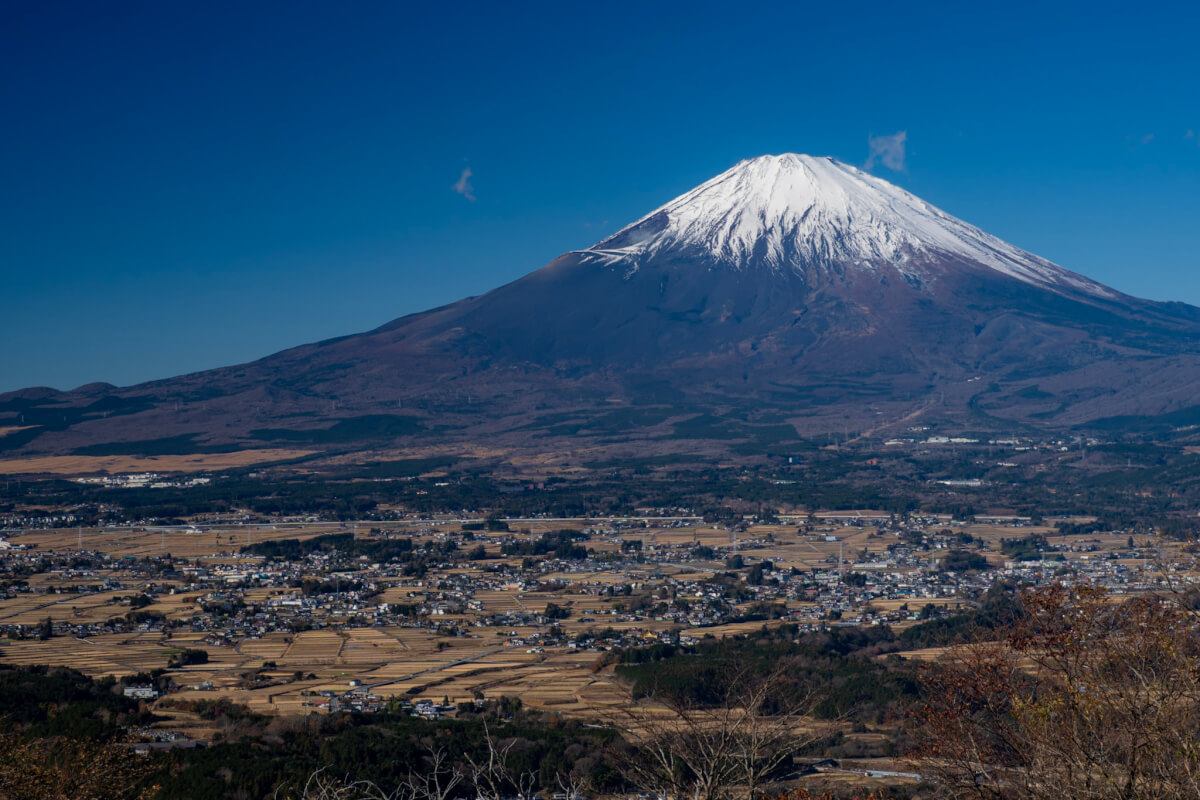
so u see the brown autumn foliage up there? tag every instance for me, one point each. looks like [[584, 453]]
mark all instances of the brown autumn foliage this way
[[70, 769], [1084, 697]]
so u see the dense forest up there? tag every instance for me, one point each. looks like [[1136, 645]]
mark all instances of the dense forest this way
[[383, 748], [846, 672], [1130, 485], [42, 702]]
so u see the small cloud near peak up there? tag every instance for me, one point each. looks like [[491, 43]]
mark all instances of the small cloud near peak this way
[[888, 150], [463, 185]]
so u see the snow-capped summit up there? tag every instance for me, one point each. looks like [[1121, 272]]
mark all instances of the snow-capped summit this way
[[800, 212]]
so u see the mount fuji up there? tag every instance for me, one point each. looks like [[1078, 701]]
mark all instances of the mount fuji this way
[[790, 292], [804, 214]]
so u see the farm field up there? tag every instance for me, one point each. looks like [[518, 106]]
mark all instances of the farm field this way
[[401, 662], [204, 462], [196, 541], [283, 634]]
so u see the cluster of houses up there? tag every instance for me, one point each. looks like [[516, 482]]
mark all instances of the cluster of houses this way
[[615, 596], [362, 700], [143, 480]]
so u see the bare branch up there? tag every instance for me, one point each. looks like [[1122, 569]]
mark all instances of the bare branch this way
[[687, 751]]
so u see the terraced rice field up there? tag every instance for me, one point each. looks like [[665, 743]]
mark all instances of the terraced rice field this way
[[115, 654], [203, 542]]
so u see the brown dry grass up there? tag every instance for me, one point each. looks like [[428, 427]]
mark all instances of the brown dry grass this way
[[88, 465], [181, 543], [5, 430]]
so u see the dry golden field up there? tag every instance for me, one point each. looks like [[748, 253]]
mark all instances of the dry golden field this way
[[404, 662], [90, 465], [203, 541]]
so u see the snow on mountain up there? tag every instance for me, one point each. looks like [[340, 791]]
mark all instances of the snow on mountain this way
[[802, 212]]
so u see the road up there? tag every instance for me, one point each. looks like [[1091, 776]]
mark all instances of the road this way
[[70, 597], [300, 526]]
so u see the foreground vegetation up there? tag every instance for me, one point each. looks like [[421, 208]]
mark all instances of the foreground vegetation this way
[[1043, 694]]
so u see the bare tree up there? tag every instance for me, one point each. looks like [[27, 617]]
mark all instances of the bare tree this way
[[774, 730], [322, 786], [573, 788], [1082, 697], [491, 774], [437, 779], [691, 751]]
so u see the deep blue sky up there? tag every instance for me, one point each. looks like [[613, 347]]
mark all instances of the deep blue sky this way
[[188, 185]]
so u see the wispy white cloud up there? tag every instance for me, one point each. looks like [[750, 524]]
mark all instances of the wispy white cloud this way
[[1191, 134], [1147, 138], [887, 150], [463, 184]]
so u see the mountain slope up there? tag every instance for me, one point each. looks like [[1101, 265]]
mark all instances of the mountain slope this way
[[787, 288]]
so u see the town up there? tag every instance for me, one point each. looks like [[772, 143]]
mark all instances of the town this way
[[291, 617]]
